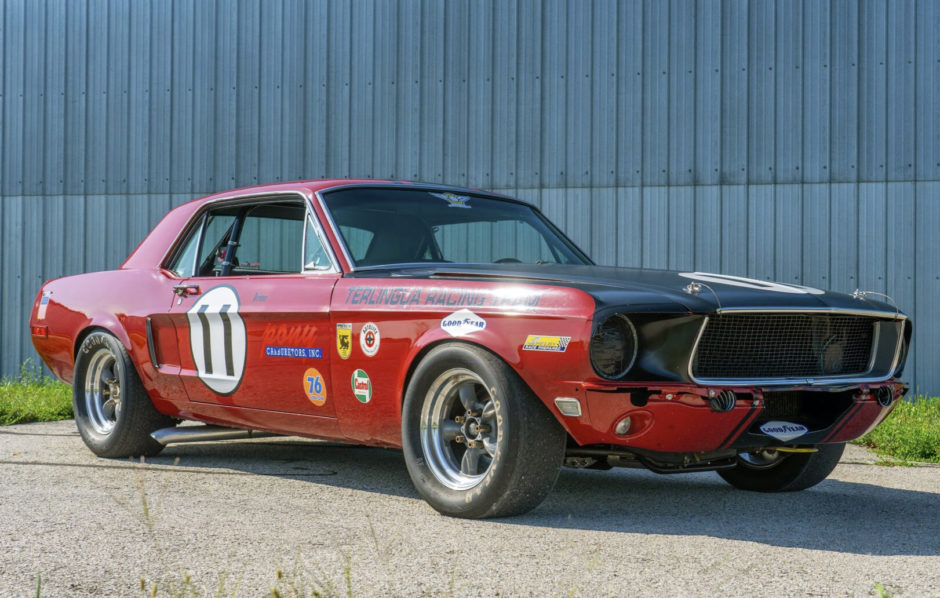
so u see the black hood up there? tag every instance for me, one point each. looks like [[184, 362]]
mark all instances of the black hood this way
[[645, 290]]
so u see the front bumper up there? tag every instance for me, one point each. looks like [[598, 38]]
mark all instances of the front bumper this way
[[682, 418]]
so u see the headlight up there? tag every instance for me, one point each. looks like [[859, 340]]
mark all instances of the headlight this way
[[613, 347]]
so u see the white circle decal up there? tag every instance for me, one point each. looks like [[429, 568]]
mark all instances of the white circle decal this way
[[369, 339], [750, 283], [217, 338]]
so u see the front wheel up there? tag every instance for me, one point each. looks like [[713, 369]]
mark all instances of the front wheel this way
[[114, 415], [477, 442], [769, 470]]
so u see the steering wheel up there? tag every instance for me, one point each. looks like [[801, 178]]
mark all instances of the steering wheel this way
[[507, 260]]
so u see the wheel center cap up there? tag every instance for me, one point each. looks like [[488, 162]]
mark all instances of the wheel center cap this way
[[470, 427]]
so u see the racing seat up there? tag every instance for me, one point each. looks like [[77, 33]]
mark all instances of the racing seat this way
[[397, 246]]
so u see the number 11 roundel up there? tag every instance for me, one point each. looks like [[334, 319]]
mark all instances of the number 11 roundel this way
[[217, 338]]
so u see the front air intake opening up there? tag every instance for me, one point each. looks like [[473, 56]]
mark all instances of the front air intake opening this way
[[815, 410], [764, 346]]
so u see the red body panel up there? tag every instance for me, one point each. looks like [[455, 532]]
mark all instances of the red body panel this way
[[399, 319]]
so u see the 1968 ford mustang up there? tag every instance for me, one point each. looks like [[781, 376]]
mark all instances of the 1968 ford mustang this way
[[466, 329]]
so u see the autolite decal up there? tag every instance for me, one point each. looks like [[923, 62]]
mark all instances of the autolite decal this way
[[540, 342]]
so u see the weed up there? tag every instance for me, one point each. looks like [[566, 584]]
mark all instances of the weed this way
[[33, 397], [910, 433]]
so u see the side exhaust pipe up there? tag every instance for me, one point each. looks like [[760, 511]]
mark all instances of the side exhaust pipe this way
[[167, 436]]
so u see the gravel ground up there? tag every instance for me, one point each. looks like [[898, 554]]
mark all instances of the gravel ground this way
[[228, 518]]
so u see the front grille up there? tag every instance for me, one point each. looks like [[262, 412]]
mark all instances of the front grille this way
[[766, 345]]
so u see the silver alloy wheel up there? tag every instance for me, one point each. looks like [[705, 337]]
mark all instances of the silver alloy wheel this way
[[102, 391], [459, 429], [762, 459]]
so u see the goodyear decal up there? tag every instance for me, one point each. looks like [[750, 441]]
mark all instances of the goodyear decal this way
[[462, 323], [783, 431], [361, 386], [542, 342], [344, 340], [315, 387]]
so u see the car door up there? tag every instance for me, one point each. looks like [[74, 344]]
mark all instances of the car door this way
[[252, 316]]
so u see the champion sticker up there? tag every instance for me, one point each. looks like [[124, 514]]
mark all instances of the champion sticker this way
[[369, 339], [361, 386], [783, 431], [541, 342], [314, 387], [344, 340], [218, 340], [462, 323], [43, 305], [453, 200]]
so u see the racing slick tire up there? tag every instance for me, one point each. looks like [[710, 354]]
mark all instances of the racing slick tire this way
[[114, 415], [773, 471], [477, 442]]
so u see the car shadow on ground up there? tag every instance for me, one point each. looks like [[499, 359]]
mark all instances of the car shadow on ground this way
[[833, 516]]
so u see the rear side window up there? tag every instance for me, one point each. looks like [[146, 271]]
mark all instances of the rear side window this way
[[250, 239]]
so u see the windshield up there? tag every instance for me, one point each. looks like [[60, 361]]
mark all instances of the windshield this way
[[382, 226]]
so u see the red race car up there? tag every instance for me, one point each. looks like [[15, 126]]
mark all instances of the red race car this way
[[466, 329]]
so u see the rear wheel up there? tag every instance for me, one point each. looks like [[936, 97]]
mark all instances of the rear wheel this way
[[770, 470], [476, 441], [114, 415]]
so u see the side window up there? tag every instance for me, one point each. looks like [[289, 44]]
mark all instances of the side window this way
[[215, 243], [315, 254], [241, 240], [270, 240], [185, 263]]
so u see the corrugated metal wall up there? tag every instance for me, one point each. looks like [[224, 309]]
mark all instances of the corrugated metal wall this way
[[798, 141]]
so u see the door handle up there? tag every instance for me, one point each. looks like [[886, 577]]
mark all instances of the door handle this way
[[184, 290]]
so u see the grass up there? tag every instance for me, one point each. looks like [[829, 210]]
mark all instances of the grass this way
[[33, 397], [911, 433]]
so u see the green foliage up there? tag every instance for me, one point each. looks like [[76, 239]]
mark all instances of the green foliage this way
[[910, 433], [33, 397]]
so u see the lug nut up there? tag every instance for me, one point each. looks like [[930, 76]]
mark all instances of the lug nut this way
[[475, 444], [459, 439], [460, 419]]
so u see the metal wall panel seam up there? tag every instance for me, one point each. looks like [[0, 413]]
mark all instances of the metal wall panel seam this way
[[844, 88], [34, 44], [408, 69], [901, 110], [11, 169]]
